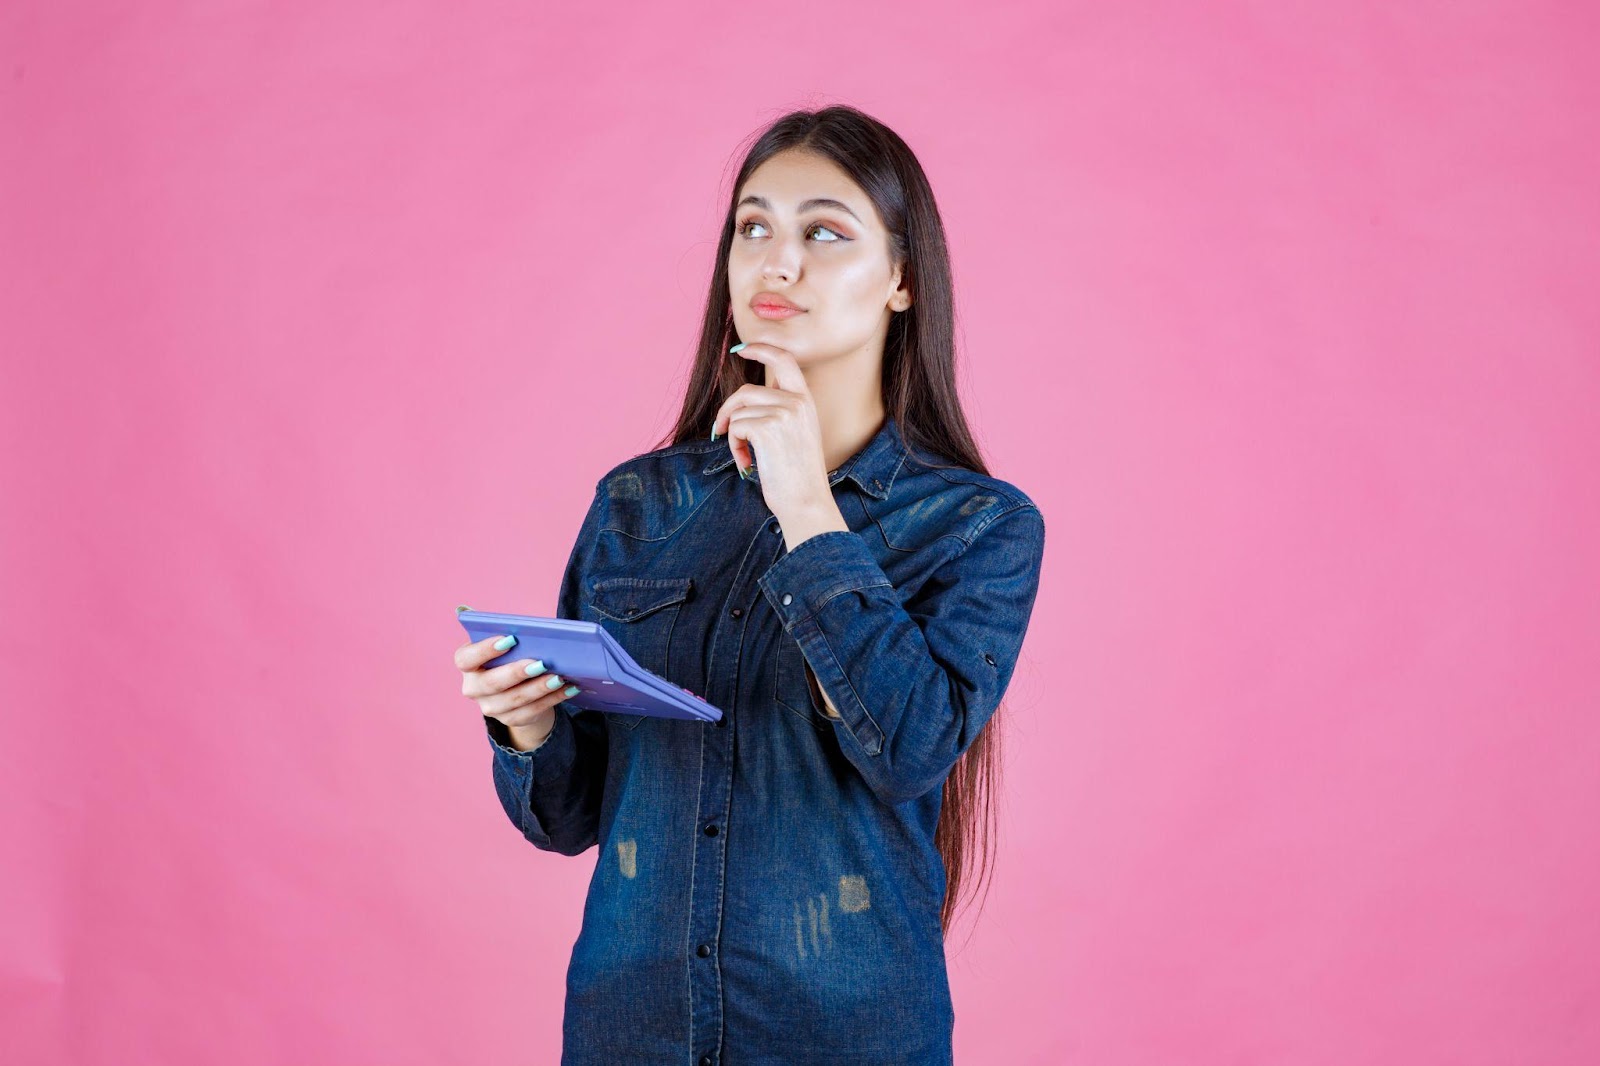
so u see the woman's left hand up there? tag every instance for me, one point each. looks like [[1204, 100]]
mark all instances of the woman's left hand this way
[[780, 424]]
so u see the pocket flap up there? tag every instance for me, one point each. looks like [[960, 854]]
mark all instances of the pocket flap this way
[[628, 599]]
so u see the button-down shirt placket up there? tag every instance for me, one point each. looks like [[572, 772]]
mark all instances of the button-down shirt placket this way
[[717, 822]]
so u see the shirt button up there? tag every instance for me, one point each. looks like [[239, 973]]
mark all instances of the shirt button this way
[[705, 1060], [703, 950], [787, 599], [777, 528], [711, 830], [737, 612]]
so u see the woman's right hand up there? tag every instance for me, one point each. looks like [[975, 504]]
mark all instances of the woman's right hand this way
[[524, 703]]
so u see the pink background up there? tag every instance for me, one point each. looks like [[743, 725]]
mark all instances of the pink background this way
[[1285, 314]]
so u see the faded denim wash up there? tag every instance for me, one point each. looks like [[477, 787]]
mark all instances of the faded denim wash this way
[[767, 888]]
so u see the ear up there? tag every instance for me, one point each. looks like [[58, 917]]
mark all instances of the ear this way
[[900, 298]]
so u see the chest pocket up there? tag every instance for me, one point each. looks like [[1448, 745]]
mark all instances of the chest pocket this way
[[640, 613], [791, 686]]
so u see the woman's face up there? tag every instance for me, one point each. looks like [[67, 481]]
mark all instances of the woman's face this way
[[830, 259]]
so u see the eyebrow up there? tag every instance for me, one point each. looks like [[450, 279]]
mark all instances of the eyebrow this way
[[805, 205]]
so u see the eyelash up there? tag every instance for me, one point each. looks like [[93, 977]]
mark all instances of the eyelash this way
[[740, 230]]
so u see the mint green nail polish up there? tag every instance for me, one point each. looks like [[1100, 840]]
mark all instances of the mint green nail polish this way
[[535, 668], [572, 690], [713, 433], [505, 642], [554, 682], [736, 347]]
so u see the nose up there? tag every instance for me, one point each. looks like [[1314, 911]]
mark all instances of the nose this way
[[782, 260]]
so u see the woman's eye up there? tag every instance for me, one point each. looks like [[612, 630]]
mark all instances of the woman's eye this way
[[744, 227]]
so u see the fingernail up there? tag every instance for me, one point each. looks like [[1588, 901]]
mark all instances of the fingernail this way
[[505, 642], [554, 682], [713, 432], [572, 690], [535, 668], [736, 347]]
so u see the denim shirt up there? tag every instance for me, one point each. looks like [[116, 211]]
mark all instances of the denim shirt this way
[[767, 889]]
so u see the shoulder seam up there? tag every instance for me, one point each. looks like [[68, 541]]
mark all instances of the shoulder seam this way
[[1024, 505], [1010, 492], [690, 447]]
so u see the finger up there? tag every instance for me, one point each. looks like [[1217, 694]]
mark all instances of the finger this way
[[504, 678], [474, 654], [533, 693], [509, 675], [744, 455], [745, 395], [530, 711], [743, 429], [786, 373]]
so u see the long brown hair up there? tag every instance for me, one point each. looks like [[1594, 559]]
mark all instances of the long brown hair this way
[[919, 388]]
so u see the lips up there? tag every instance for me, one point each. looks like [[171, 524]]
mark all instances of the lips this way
[[774, 301]]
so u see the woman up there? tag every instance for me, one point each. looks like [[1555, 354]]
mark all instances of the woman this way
[[775, 887]]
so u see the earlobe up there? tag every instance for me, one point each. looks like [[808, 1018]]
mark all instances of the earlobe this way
[[902, 295]]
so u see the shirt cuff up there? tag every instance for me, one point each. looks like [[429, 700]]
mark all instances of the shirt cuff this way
[[799, 585], [555, 753], [821, 567]]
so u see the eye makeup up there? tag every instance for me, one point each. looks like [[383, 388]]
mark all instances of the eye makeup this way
[[741, 227]]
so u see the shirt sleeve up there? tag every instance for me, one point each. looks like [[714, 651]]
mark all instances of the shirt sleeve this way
[[552, 792], [913, 681]]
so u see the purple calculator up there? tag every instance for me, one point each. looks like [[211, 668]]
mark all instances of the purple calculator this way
[[589, 657]]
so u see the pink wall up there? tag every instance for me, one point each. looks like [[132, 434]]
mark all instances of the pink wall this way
[[1287, 318]]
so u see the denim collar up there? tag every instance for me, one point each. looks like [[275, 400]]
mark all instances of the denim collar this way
[[873, 468]]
